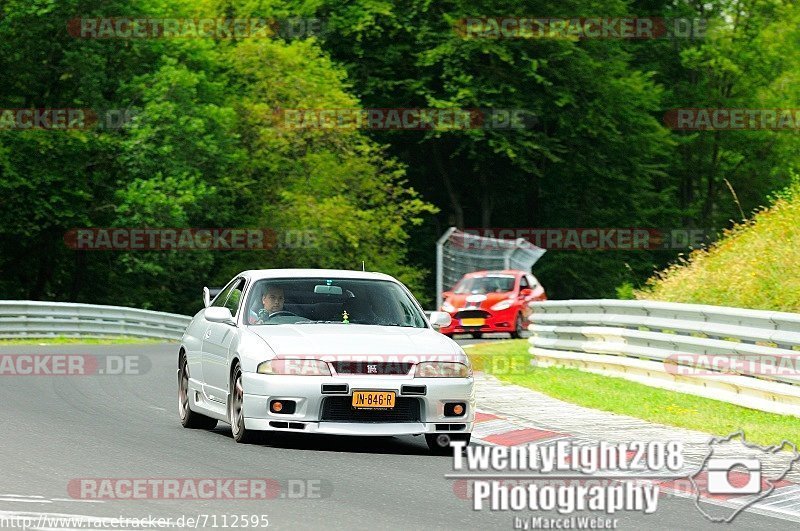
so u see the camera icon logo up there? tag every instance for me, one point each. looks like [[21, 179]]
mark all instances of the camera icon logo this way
[[725, 477], [735, 474]]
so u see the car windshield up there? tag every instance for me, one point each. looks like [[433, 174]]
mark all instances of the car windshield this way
[[487, 284], [332, 300]]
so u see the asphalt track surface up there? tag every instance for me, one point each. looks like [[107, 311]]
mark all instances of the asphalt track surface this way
[[56, 429]]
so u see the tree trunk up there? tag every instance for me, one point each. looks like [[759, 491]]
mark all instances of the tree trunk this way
[[77, 277], [452, 195], [487, 202], [45, 271], [711, 184]]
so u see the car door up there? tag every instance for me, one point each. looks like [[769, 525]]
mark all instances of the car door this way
[[217, 341], [525, 298], [198, 330]]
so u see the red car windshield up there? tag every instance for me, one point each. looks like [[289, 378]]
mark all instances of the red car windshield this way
[[493, 284]]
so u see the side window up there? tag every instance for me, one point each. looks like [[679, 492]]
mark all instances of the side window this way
[[523, 283], [223, 295], [234, 297]]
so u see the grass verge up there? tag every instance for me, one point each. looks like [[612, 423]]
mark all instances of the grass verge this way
[[754, 265], [509, 361]]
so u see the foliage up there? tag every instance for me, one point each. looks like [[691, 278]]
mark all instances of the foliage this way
[[753, 266], [205, 147], [202, 150]]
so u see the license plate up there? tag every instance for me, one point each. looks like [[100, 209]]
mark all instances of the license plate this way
[[373, 399], [473, 322]]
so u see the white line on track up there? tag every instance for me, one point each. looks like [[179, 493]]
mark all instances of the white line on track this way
[[70, 500], [23, 500]]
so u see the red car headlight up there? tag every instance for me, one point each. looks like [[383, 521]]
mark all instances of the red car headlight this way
[[503, 305]]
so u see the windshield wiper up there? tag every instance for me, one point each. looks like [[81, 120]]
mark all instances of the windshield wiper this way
[[356, 322], [319, 322]]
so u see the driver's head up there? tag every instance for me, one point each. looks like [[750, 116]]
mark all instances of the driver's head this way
[[272, 299]]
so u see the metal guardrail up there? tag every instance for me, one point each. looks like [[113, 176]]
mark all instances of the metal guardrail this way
[[34, 319], [675, 346]]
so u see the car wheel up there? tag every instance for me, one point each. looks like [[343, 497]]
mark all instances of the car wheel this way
[[439, 443], [235, 410], [477, 335], [518, 327], [189, 419]]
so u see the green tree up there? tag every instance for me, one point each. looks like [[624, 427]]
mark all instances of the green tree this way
[[202, 150]]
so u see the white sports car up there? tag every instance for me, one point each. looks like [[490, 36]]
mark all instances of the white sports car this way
[[323, 351]]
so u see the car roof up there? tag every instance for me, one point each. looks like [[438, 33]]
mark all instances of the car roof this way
[[258, 274]]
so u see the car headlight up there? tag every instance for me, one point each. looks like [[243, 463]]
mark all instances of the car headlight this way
[[442, 369], [503, 305], [294, 367], [447, 307]]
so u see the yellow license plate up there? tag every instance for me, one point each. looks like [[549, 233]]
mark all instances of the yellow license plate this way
[[473, 322], [373, 399]]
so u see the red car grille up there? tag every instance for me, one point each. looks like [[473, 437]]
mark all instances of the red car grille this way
[[472, 314]]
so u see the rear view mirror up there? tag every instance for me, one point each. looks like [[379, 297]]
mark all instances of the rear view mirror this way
[[328, 290], [440, 319], [206, 297], [219, 314]]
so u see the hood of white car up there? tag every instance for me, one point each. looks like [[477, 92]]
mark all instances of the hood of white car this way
[[353, 339]]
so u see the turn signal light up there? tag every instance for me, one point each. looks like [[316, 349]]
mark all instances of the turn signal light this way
[[454, 409], [284, 407]]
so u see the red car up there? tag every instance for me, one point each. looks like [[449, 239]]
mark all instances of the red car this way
[[491, 301]]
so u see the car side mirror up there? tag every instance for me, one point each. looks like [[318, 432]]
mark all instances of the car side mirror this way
[[446, 294], [527, 292], [219, 314], [440, 319], [206, 297]]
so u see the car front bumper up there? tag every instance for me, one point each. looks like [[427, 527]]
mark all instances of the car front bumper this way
[[306, 391], [496, 321]]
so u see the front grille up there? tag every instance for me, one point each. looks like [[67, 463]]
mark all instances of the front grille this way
[[472, 314], [340, 409], [365, 367]]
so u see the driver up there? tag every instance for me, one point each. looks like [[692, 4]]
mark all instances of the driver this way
[[272, 300]]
